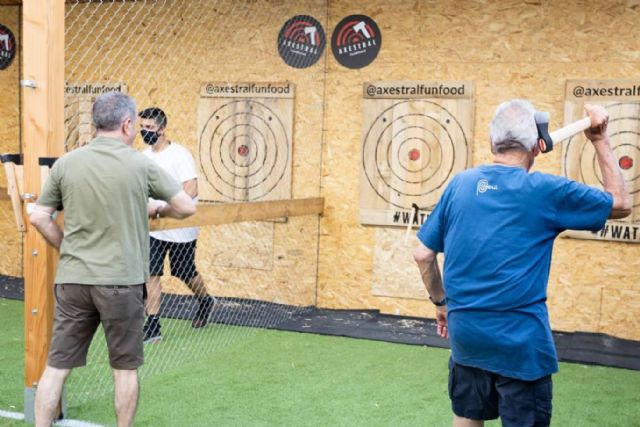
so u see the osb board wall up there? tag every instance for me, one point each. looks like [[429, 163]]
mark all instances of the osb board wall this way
[[10, 238], [508, 49], [163, 52], [521, 50]]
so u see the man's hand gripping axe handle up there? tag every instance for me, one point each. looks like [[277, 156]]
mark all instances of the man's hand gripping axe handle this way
[[547, 140]]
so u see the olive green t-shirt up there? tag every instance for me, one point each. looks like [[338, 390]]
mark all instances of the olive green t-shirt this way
[[104, 188]]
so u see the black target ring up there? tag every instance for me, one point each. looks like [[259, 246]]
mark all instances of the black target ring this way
[[235, 147], [435, 169], [218, 136], [377, 142]]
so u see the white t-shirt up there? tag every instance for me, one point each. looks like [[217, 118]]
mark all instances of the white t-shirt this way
[[178, 162]]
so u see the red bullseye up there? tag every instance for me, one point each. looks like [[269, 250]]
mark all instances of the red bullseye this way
[[625, 162], [243, 150], [414, 155]]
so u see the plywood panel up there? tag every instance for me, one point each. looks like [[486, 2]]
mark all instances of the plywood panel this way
[[416, 136], [245, 143], [621, 98]]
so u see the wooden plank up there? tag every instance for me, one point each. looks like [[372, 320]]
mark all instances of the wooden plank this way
[[416, 136], [228, 213], [12, 192], [43, 136], [246, 141], [621, 98]]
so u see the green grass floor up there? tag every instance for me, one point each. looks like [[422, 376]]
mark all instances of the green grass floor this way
[[275, 378]]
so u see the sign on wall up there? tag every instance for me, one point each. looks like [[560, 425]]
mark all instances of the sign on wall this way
[[301, 41], [621, 98], [416, 136], [356, 41], [245, 141], [8, 47]]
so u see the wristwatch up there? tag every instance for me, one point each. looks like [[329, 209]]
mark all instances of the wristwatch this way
[[441, 303]]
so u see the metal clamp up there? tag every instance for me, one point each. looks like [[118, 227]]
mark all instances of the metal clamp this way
[[28, 196], [28, 83]]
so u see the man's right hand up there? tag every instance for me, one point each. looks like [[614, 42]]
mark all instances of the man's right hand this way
[[441, 320], [599, 121]]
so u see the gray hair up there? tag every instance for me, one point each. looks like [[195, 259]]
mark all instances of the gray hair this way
[[111, 109], [513, 126]]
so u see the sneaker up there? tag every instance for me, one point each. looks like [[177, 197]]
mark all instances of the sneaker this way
[[151, 330], [205, 307]]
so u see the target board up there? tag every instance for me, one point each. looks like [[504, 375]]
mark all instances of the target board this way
[[416, 136], [78, 102], [245, 141], [579, 162]]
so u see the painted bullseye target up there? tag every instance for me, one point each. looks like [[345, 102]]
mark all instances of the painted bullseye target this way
[[411, 150], [624, 137], [244, 150]]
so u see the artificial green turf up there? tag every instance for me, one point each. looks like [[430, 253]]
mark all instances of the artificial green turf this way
[[275, 378]]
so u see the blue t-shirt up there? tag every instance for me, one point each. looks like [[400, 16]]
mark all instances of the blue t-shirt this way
[[496, 226]]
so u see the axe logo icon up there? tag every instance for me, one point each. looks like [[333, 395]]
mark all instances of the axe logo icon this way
[[356, 41], [301, 41], [7, 47]]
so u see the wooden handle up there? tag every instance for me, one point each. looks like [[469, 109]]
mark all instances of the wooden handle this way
[[568, 131]]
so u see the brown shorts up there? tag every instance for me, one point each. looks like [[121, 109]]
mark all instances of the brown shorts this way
[[79, 311]]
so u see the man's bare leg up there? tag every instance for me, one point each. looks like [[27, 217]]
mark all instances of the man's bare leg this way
[[125, 395], [48, 394], [154, 295], [466, 422], [196, 284]]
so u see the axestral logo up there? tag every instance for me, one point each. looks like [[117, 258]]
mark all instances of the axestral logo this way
[[7, 47], [301, 41], [356, 41]]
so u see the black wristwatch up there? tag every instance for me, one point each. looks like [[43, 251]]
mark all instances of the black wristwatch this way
[[441, 303]]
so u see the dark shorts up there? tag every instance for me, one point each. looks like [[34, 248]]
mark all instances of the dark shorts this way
[[81, 308], [481, 395], [181, 258]]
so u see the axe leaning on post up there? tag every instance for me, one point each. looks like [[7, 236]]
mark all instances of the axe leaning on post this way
[[547, 140]]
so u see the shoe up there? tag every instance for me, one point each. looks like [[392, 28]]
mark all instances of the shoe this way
[[151, 330], [205, 307]]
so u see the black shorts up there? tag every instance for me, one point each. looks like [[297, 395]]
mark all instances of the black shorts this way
[[481, 395], [181, 258]]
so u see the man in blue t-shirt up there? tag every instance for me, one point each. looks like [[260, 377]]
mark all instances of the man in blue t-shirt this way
[[496, 225]]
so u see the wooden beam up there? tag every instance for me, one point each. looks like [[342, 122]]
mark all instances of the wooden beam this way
[[42, 136], [228, 213], [12, 192]]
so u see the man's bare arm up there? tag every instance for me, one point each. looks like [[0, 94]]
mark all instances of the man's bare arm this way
[[613, 181], [42, 219], [429, 271], [191, 187]]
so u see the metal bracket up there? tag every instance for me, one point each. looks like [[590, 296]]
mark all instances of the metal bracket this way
[[28, 83]]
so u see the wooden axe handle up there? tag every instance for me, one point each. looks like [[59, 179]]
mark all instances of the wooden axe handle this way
[[570, 130]]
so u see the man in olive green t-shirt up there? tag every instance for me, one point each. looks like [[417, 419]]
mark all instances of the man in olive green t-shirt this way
[[104, 252]]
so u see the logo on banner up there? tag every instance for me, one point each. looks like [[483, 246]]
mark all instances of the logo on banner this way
[[301, 41], [8, 47], [356, 41]]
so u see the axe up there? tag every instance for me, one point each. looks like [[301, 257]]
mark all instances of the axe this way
[[546, 140], [362, 27]]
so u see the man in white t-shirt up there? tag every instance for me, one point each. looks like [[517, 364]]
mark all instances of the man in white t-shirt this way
[[180, 243]]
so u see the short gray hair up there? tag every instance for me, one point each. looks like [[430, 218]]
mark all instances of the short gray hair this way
[[111, 109], [513, 126]]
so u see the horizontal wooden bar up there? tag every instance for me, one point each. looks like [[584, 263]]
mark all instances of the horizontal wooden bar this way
[[227, 213]]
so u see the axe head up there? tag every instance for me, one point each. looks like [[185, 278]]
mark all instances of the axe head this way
[[545, 143]]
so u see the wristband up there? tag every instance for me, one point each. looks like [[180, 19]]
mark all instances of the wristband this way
[[441, 303]]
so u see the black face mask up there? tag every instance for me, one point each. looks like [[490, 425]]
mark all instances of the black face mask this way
[[149, 137]]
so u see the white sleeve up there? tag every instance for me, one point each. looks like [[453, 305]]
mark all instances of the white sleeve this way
[[185, 166]]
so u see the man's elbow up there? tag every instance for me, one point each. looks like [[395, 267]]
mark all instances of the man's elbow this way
[[424, 255], [621, 207]]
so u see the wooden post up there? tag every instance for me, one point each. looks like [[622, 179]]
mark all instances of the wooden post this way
[[43, 136]]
